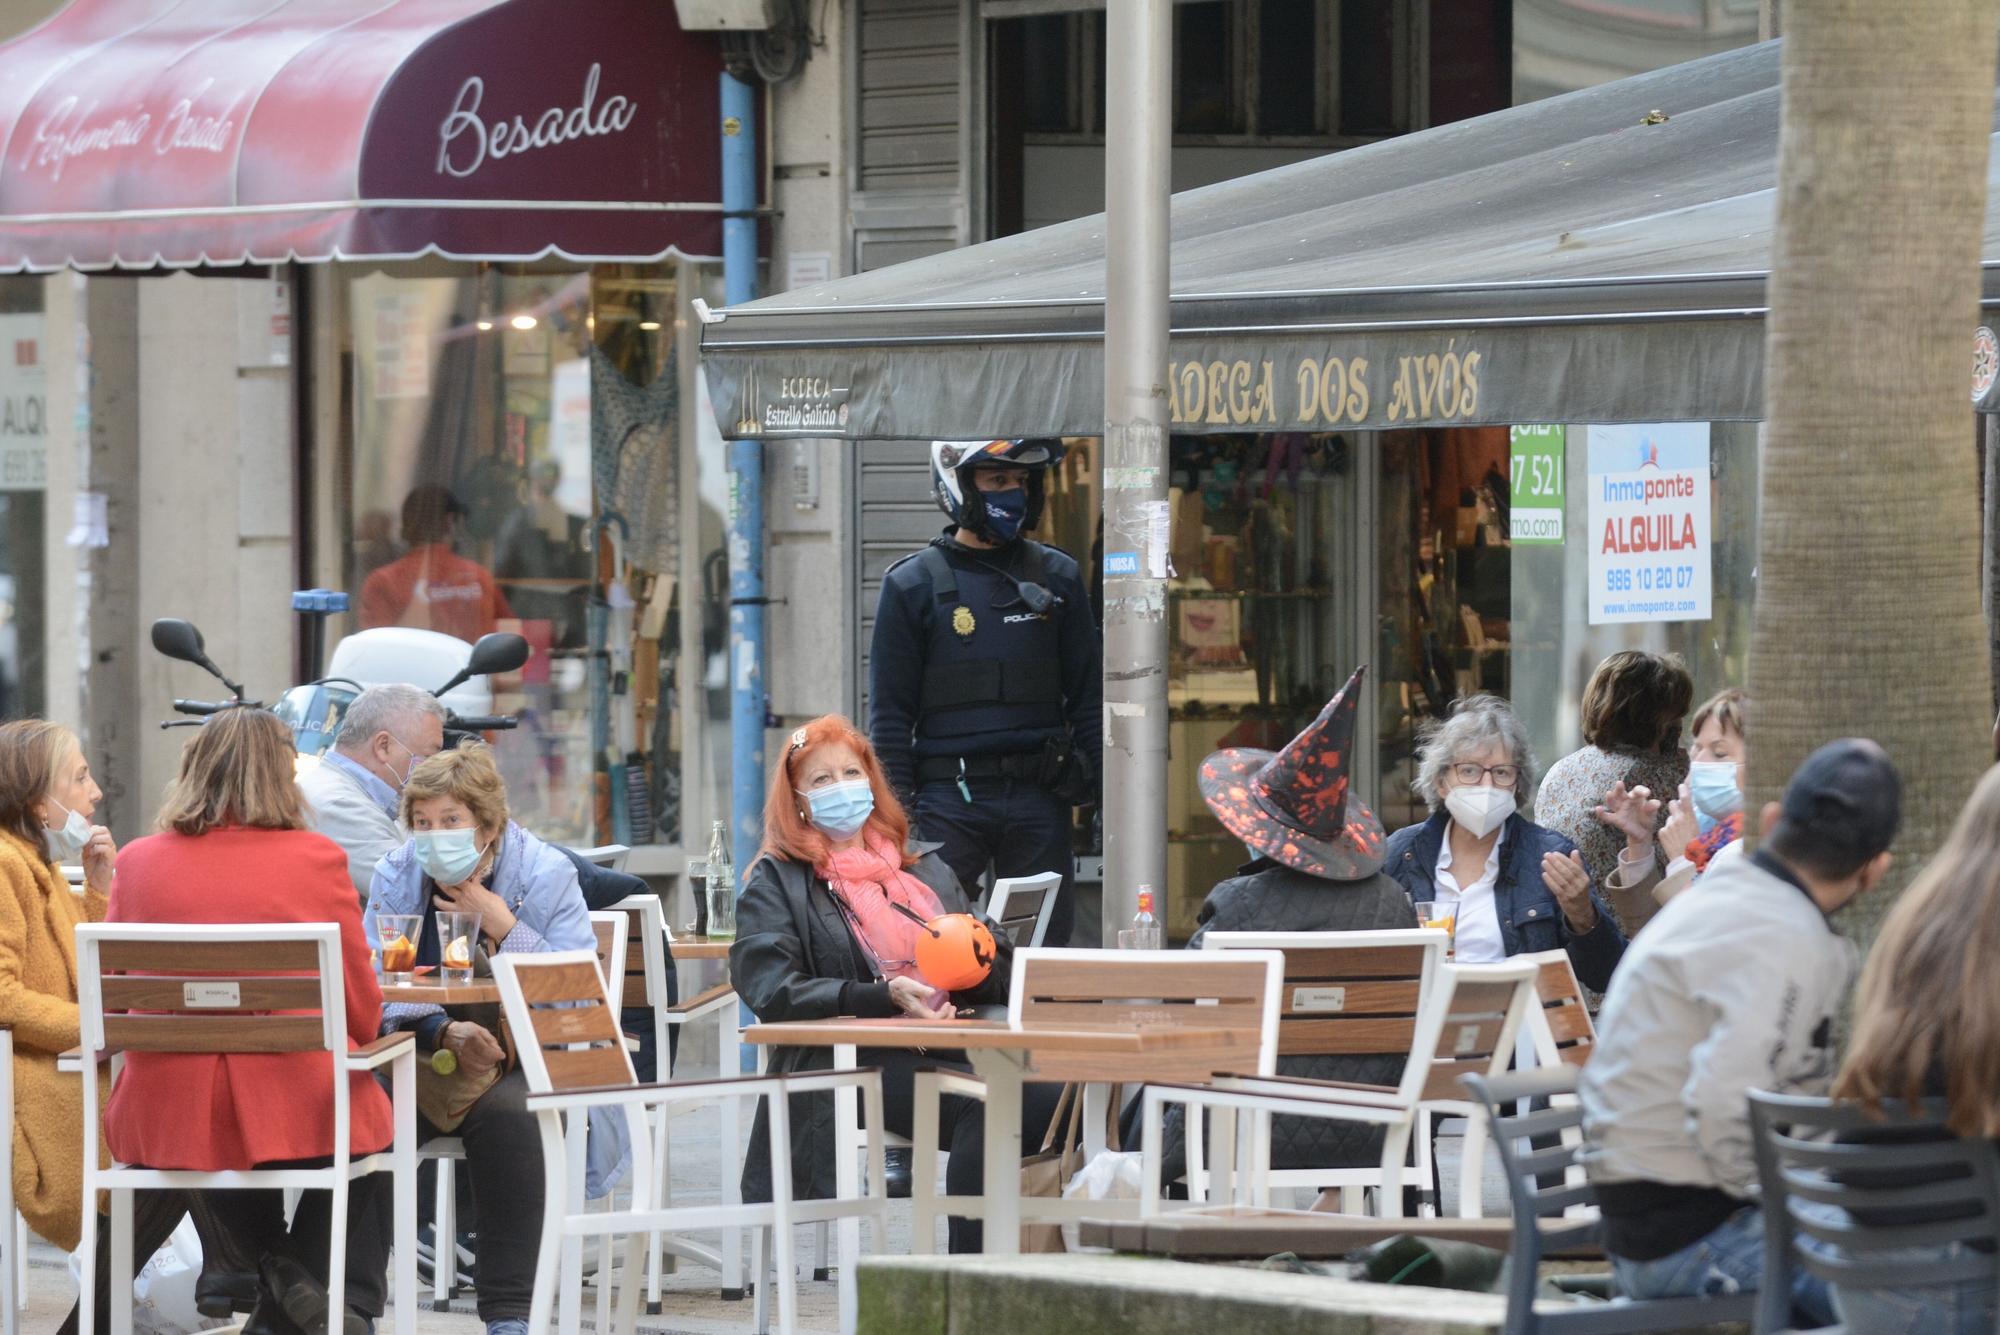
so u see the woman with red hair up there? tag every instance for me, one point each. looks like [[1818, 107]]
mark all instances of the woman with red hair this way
[[821, 932]]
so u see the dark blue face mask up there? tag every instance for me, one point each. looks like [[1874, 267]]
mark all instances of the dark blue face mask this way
[[1006, 511]]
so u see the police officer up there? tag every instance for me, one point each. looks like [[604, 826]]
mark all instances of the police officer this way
[[985, 682]]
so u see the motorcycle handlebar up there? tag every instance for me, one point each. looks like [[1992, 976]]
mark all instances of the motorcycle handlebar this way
[[481, 722], [201, 708]]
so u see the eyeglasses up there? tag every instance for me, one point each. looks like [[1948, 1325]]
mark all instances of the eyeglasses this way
[[1504, 776]]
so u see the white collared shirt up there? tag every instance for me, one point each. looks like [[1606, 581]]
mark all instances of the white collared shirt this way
[[1476, 935]]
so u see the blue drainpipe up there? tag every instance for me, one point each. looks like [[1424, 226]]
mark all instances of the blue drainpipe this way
[[746, 501]]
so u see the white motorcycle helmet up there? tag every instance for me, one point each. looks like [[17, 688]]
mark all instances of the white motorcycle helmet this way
[[952, 464]]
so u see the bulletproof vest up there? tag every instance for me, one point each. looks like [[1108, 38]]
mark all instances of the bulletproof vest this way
[[991, 665]]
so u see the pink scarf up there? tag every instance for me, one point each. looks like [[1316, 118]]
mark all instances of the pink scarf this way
[[867, 881]]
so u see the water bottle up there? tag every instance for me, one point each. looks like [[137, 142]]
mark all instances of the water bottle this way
[[1144, 933], [721, 886]]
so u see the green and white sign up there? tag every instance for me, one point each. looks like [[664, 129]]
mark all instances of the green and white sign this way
[[1535, 470]]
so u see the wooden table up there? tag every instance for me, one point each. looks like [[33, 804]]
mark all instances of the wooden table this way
[[701, 947], [430, 990], [1006, 1058]]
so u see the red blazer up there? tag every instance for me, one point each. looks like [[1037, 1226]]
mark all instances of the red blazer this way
[[184, 1110]]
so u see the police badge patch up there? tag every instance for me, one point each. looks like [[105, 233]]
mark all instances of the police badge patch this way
[[962, 622]]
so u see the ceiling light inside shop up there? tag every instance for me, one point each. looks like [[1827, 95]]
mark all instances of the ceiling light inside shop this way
[[523, 322], [650, 326], [485, 325]]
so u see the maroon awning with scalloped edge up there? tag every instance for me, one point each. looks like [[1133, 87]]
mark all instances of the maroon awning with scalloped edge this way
[[147, 133]]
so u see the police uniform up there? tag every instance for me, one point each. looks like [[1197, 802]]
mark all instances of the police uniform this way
[[987, 715]]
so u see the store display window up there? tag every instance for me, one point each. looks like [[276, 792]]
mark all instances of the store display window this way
[[1509, 562], [24, 429], [1259, 633], [515, 464]]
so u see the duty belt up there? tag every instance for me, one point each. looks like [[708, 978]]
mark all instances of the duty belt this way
[[1021, 765]]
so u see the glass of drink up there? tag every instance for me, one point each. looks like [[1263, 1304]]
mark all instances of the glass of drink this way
[[398, 933], [458, 935]]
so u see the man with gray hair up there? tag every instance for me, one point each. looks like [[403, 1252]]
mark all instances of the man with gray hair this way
[[353, 791]]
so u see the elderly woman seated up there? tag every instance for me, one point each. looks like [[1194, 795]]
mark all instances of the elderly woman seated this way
[[1512, 886], [466, 856], [821, 931]]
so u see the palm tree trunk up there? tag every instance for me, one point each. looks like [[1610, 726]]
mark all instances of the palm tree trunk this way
[[1869, 620]]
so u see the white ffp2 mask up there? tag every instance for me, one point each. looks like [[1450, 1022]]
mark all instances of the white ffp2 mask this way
[[1481, 810]]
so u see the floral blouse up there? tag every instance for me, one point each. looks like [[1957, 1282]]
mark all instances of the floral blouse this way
[[1575, 786]]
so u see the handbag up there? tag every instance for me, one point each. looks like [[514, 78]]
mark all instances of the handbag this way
[[444, 1100], [1044, 1172], [1048, 1171]]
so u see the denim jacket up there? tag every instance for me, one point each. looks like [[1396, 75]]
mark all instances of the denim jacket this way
[[1530, 918]]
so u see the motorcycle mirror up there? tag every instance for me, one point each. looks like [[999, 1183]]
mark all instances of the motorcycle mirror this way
[[498, 652], [180, 640]]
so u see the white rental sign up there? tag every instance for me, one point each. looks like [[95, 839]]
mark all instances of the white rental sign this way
[[24, 405], [1649, 523]]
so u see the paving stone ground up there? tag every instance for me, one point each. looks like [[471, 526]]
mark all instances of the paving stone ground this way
[[691, 1303]]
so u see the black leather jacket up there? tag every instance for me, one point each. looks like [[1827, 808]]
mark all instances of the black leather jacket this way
[[796, 959]]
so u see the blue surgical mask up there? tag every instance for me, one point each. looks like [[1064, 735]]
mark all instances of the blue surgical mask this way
[[448, 856], [65, 843], [1006, 511], [839, 809], [1712, 785]]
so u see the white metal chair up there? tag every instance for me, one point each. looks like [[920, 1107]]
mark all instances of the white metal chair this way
[[1098, 988], [1469, 1027], [574, 1058], [152, 987], [1346, 994], [1023, 904]]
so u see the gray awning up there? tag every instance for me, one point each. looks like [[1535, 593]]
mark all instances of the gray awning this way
[[1563, 261]]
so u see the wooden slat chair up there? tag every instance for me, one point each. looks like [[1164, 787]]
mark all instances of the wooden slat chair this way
[[1023, 905], [609, 928], [1561, 1026], [1468, 1027], [646, 985], [152, 987], [1346, 994], [559, 1010], [1118, 989]]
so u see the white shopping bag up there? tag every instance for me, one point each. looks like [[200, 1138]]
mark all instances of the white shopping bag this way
[[163, 1290], [1112, 1175]]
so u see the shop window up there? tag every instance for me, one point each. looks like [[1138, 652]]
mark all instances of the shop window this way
[[1465, 607], [23, 492], [514, 466], [1259, 626]]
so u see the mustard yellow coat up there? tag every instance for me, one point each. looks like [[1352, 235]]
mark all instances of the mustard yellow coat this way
[[39, 914]]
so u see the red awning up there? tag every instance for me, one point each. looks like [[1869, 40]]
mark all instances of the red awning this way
[[144, 133]]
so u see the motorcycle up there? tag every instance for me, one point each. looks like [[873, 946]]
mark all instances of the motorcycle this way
[[314, 710]]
